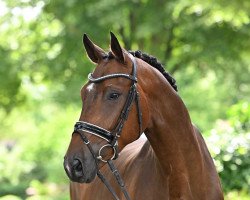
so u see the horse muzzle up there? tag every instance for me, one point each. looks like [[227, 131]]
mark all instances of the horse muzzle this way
[[79, 170]]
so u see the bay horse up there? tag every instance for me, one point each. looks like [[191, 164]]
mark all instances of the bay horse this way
[[172, 163]]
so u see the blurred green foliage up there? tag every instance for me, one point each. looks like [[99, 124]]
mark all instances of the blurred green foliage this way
[[204, 44], [31, 158], [229, 144]]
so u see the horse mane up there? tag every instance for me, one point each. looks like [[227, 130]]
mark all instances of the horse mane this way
[[151, 60]]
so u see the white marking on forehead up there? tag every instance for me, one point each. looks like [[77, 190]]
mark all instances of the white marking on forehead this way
[[90, 87]]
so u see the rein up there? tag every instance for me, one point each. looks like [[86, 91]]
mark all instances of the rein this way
[[112, 136]]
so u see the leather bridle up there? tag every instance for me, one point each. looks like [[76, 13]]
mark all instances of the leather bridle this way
[[112, 136]]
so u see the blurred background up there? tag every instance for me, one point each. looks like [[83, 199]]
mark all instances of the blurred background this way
[[204, 44]]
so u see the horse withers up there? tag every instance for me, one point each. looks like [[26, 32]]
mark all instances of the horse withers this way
[[127, 94]]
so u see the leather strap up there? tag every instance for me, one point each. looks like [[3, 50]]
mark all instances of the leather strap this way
[[109, 76], [94, 129], [111, 166]]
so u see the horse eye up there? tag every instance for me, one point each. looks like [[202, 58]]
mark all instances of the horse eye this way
[[113, 96]]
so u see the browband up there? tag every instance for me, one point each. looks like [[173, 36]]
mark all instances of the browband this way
[[96, 80]]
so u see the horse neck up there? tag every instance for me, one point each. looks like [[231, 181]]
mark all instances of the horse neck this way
[[170, 131]]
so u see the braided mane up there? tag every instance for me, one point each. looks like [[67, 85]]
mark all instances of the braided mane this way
[[153, 62], [156, 64]]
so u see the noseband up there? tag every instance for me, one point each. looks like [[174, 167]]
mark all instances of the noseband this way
[[112, 136]]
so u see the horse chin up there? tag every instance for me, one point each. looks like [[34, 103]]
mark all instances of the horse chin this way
[[82, 180], [88, 178]]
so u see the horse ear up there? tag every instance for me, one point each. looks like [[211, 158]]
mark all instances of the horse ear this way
[[94, 52], [116, 48]]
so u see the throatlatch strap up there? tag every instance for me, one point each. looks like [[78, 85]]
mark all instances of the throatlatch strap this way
[[138, 107]]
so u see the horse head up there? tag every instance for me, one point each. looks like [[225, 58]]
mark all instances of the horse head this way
[[114, 111]]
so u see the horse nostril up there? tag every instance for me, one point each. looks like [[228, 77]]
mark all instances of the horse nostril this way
[[77, 166], [76, 162]]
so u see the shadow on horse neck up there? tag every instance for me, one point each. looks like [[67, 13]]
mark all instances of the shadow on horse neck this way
[[175, 155]]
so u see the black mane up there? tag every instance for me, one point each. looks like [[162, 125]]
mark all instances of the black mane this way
[[154, 63]]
